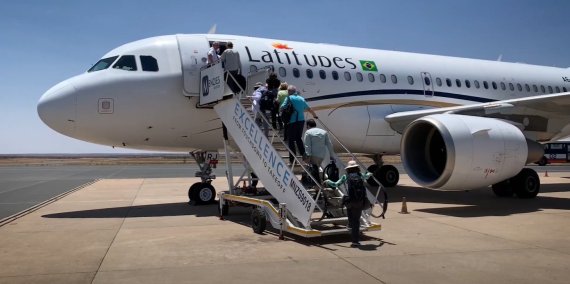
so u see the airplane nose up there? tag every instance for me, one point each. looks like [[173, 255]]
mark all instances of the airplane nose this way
[[57, 108]]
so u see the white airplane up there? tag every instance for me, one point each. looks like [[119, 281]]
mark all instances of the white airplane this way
[[458, 123]]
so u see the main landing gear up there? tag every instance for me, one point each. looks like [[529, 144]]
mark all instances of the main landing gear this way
[[203, 192], [388, 175], [525, 184]]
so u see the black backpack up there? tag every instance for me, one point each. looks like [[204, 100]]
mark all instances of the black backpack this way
[[287, 111], [266, 100], [356, 190]]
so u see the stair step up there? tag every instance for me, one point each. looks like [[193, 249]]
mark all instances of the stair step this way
[[341, 220], [334, 232]]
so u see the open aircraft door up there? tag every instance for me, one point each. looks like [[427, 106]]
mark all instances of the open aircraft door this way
[[193, 54], [427, 83]]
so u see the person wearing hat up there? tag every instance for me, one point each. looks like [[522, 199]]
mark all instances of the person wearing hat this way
[[357, 200]]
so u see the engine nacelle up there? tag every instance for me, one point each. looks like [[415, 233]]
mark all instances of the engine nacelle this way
[[458, 152]]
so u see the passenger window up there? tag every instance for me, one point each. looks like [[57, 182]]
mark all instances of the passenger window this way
[[438, 81], [382, 78], [519, 87], [347, 76], [427, 81], [448, 82], [371, 77], [296, 73], [542, 89], [550, 89], [535, 88], [309, 73], [503, 86], [149, 63], [467, 84], [476, 83], [359, 77], [335, 75], [411, 80], [322, 74], [394, 79], [527, 87], [126, 62], [458, 83], [102, 64], [282, 72], [252, 68], [485, 85], [557, 89], [494, 85], [511, 86]]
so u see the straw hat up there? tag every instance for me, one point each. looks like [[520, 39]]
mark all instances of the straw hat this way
[[351, 164]]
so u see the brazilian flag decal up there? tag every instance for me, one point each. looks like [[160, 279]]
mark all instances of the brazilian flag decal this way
[[368, 65]]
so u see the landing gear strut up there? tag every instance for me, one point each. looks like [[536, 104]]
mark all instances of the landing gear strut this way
[[203, 192], [388, 175], [525, 184]]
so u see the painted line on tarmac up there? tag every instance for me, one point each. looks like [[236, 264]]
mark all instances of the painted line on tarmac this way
[[25, 212]]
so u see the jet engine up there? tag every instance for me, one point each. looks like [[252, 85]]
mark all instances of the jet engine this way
[[458, 152]]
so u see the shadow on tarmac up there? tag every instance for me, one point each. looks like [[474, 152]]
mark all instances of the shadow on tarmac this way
[[480, 202], [152, 210]]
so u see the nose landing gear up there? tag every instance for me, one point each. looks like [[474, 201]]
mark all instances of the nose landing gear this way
[[203, 192]]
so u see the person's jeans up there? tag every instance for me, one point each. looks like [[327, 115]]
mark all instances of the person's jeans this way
[[295, 137], [354, 223]]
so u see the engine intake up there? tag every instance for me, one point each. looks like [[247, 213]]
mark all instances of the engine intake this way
[[458, 152]]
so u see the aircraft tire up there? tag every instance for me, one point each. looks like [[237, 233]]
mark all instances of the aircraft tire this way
[[388, 175], [258, 220], [503, 189], [204, 193], [526, 184], [372, 169], [191, 190]]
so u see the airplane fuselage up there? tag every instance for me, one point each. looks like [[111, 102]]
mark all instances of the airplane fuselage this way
[[352, 90]]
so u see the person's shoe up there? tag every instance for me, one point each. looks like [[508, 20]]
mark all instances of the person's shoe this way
[[355, 244]]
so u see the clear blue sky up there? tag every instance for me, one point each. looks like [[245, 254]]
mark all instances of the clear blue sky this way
[[45, 42]]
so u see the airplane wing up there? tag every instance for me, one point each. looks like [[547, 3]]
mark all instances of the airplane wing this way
[[536, 113]]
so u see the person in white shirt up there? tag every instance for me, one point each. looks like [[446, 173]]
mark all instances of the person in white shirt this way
[[213, 56], [232, 65]]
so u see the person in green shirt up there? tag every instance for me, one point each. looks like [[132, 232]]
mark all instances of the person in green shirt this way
[[357, 200]]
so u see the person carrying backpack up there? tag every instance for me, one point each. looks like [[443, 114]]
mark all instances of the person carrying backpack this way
[[296, 121], [356, 200]]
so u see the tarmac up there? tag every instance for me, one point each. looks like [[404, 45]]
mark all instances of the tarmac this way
[[142, 230]]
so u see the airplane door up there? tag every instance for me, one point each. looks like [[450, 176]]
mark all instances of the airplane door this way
[[193, 54], [427, 83]]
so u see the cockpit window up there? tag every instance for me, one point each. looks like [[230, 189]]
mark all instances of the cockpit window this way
[[126, 62], [102, 64], [149, 63]]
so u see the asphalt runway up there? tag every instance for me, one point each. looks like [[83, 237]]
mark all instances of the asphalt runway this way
[[25, 186]]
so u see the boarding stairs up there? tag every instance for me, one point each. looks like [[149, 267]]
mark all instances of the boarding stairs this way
[[284, 201]]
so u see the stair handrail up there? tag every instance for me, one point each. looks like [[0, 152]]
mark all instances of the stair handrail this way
[[266, 122]]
